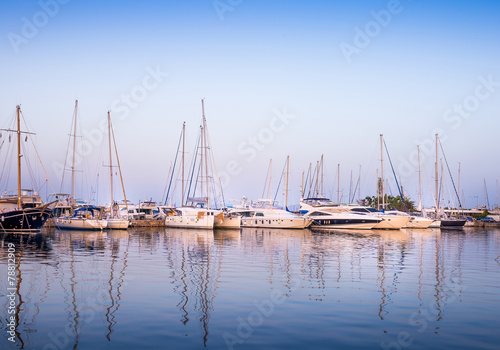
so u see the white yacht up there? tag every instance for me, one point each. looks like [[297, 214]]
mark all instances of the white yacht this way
[[87, 217], [270, 217], [389, 220], [191, 217], [339, 218]]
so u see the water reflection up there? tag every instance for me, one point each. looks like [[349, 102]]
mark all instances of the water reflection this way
[[79, 289]]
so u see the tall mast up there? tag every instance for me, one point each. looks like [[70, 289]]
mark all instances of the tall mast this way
[[302, 187], [458, 190], [338, 183], [110, 164], [119, 168], [206, 150], [183, 148], [497, 196], [322, 173], [201, 160], [485, 195], [74, 154], [19, 155], [378, 191], [271, 180], [317, 179], [350, 189], [286, 190], [437, 177], [382, 169], [419, 180], [442, 183]]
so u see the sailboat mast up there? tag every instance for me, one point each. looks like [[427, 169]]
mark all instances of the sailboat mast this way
[[110, 164], [270, 180], [183, 149], [302, 187], [437, 177], [206, 150], [382, 169], [317, 179], [201, 160], [350, 190], [419, 180], [19, 155], [338, 183], [74, 154], [287, 171], [322, 174], [119, 167], [378, 191]]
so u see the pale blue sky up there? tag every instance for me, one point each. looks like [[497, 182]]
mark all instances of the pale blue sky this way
[[260, 57]]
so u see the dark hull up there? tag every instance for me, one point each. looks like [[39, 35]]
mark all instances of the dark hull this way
[[363, 224], [27, 220], [453, 224]]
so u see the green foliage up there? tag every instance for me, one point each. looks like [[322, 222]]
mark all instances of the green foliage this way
[[391, 202]]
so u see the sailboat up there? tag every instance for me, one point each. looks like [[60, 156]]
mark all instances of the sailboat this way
[[22, 212], [444, 221], [199, 213], [78, 216], [114, 220]]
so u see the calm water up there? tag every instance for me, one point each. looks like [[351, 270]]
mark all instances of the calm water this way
[[258, 288]]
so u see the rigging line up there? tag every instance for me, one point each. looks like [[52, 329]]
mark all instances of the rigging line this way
[[173, 170], [279, 183], [66, 156], [305, 184], [354, 192], [430, 188], [193, 169], [213, 165], [265, 182], [395, 178], [449, 171]]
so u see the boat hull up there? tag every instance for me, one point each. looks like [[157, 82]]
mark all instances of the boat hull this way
[[348, 224], [80, 224], [418, 222], [453, 224], [297, 223], [392, 222], [189, 221], [435, 224], [25, 220], [118, 224], [229, 222]]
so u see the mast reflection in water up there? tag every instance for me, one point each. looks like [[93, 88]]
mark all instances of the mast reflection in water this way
[[254, 288]]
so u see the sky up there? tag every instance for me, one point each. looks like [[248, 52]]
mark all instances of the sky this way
[[279, 78]]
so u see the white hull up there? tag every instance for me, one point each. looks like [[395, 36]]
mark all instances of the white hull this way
[[363, 226], [229, 222], [190, 221], [435, 224], [81, 224], [419, 222], [392, 222], [118, 224], [297, 223]]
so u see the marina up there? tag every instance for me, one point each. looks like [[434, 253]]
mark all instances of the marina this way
[[235, 174], [239, 289]]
